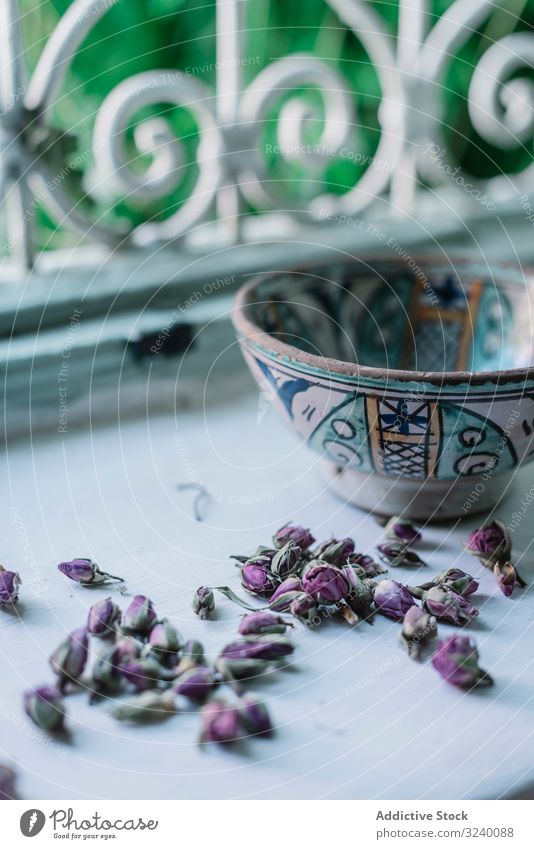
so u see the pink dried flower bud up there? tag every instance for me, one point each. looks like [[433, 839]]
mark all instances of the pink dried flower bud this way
[[221, 723], [448, 606], [84, 571], [286, 560], [506, 577], [148, 706], [450, 579], [418, 628], [326, 584], [10, 583], [103, 616], [456, 660], [491, 543], [402, 530], [255, 716], [336, 552], [139, 617], [366, 566], [273, 647], [395, 554], [70, 658], [203, 602], [392, 599], [145, 673], [196, 683], [262, 622], [303, 607], [165, 641], [257, 578], [45, 708], [293, 533]]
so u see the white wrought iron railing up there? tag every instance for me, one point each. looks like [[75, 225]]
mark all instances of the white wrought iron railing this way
[[410, 193]]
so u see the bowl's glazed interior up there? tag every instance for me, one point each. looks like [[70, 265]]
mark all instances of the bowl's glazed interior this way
[[384, 315]]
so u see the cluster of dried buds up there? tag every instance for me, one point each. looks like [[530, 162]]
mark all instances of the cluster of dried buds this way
[[149, 670], [492, 545]]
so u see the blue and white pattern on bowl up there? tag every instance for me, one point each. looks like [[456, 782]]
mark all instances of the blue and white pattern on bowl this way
[[415, 373]]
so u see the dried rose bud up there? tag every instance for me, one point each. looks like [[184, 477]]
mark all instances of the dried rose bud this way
[[196, 683], [290, 585], [418, 628], [506, 577], [145, 673], [257, 578], [261, 551], [10, 583], [139, 617], [7, 783], [255, 716], [327, 584], [240, 668], [102, 617], [448, 606], [203, 602], [106, 674], [84, 571], [293, 533], [165, 641], [491, 543], [44, 706], [258, 648], [286, 560], [456, 660], [194, 651], [282, 603], [128, 648], [392, 599], [303, 607], [402, 530], [366, 566], [336, 552], [149, 706], [450, 579], [262, 622], [221, 723], [70, 658], [397, 555], [360, 597]]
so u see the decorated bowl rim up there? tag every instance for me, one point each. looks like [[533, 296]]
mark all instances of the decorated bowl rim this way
[[249, 329]]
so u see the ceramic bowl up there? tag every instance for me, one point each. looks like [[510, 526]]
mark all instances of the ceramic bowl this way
[[414, 380]]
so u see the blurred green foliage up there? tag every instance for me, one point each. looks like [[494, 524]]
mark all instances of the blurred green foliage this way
[[137, 36]]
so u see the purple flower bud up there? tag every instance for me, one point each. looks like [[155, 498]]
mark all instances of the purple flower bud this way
[[293, 533], [366, 566], [128, 648], [148, 706], [203, 602], [403, 531], [106, 674], [456, 660], [393, 599], [140, 616], [145, 673], [398, 555], [70, 658], [7, 783], [255, 716], [10, 584], [290, 585], [360, 597], [193, 651], [303, 607], [84, 571], [239, 669], [491, 543], [165, 641], [196, 683], [45, 708], [286, 560], [448, 606], [221, 723], [257, 578], [451, 579], [506, 577], [327, 584], [418, 628], [262, 622], [336, 552], [256, 648], [102, 617]]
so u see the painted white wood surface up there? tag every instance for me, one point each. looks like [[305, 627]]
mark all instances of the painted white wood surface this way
[[356, 717]]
